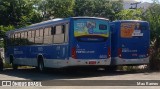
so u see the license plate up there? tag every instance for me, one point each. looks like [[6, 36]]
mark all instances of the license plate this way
[[92, 62]]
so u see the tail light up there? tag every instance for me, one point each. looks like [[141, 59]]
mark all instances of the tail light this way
[[120, 52], [109, 52], [74, 53]]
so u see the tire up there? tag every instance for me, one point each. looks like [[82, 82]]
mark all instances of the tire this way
[[41, 65], [14, 66], [1, 65]]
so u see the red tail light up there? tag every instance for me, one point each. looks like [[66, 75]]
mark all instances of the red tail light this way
[[109, 52], [120, 52], [74, 53]]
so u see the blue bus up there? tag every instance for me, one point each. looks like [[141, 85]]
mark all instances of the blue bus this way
[[130, 42], [59, 43]]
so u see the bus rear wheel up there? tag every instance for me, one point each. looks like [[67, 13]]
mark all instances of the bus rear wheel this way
[[41, 66], [14, 66], [1, 65]]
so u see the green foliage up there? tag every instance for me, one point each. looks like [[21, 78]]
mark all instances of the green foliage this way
[[56, 8], [99, 8], [130, 14], [152, 15], [17, 12], [4, 29]]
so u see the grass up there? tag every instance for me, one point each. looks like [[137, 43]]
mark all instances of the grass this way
[[134, 68], [7, 65]]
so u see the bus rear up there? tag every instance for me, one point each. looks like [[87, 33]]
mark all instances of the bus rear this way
[[90, 42], [131, 42]]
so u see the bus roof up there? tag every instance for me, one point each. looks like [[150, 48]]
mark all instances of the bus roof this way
[[129, 21], [38, 25], [50, 22], [86, 17]]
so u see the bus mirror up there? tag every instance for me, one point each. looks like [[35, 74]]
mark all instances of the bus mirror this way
[[53, 31]]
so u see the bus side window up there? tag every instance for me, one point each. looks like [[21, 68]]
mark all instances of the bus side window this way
[[39, 36], [11, 40], [31, 37], [58, 37], [22, 38], [26, 38], [16, 39], [63, 28], [48, 37], [53, 30]]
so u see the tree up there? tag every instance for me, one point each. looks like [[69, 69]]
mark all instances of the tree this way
[[152, 15], [130, 14], [17, 12], [56, 8], [99, 8], [4, 29]]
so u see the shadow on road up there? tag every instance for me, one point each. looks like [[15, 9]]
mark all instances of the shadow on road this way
[[50, 74]]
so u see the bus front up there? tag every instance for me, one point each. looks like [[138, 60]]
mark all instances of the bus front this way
[[90, 39], [133, 43]]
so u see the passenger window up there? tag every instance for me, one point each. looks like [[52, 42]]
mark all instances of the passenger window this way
[[41, 33], [29, 34], [22, 34], [37, 33], [39, 36], [26, 35], [59, 35], [48, 38], [53, 30], [58, 30], [33, 34], [46, 31]]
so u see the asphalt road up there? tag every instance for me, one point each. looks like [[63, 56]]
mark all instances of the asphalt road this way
[[50, 77]]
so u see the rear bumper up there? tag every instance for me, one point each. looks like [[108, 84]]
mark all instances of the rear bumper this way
[[83, 62], [121, 61]]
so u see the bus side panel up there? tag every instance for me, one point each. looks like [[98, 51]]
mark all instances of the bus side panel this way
[[51, 54], [115, 41], [9, 51], [27, 55]]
